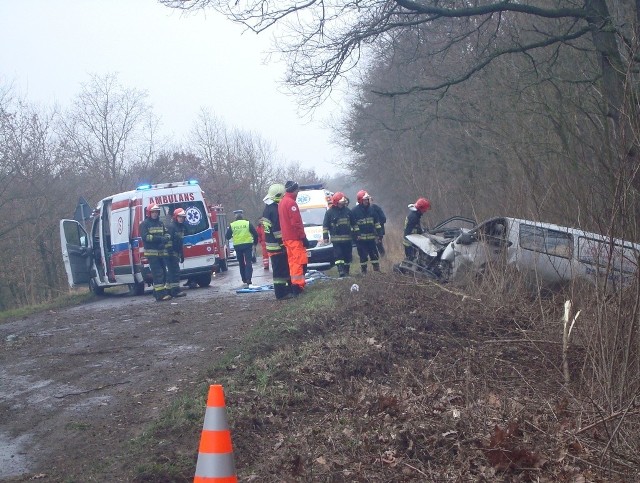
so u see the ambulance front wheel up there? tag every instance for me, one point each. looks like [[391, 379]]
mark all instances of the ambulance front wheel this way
[[203, 280], [95, 288]]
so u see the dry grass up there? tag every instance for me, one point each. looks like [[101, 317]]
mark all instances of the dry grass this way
[[420, 382]]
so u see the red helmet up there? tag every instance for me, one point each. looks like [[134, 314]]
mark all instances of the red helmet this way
[[337, 198], [363, 195], [423, 205], [179, 212]]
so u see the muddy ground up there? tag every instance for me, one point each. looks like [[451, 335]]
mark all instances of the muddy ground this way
[[397, 381], [76, 383]]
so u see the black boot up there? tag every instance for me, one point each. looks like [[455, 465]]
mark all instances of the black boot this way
[[296, 290], [363, 269], [282, 291], [376, 267], [341, 271]]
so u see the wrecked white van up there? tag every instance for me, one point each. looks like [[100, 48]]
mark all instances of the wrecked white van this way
[[546, 253]]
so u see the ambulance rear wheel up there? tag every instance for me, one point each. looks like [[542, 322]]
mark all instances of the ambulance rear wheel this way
[[95, 288], [136, 288], [203, 280]]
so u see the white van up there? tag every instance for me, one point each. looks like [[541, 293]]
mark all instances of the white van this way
[[545, 253]]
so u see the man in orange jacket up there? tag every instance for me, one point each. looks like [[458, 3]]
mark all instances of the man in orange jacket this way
[[293, 236]]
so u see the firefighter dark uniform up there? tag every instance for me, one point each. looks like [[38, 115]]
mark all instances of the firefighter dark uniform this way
[[273, 240], [412, 224], [383, 219], [293, 237], [244, 237], [175, 252], [369, 230], [339, 224], [154, 237]]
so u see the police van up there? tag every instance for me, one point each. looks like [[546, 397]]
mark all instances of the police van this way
[[112, 253], [313, 202]]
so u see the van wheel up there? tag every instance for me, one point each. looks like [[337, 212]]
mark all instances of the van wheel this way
[[203, 280], [95, 288], [222, 265], [136, 288]]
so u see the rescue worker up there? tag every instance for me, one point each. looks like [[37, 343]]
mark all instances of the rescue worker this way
[[263, 244], [154, 237], [244, 237], [293, 237], [175, 252], [339, 224], [383, 219], [368, 231], [412, 224], [273, 241]]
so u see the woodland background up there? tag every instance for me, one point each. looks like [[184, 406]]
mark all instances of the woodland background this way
[[525, 109]]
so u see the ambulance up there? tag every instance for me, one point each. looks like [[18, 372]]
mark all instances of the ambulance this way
[[112, 253], [313, 202]]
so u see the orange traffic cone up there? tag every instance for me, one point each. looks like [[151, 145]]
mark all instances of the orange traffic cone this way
[[215, 455]]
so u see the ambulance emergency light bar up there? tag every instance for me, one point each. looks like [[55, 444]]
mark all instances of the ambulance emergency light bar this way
[[142, 187]]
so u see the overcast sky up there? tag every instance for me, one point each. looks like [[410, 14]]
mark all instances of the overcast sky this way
[[185, 63]]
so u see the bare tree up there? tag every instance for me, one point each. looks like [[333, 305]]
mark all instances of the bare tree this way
[[34, 189], [237, 167], [105, 125]]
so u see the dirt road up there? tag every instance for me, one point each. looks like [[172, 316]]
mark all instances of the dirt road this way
[[77, 383]]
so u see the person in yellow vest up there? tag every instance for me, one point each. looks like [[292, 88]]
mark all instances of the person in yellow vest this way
[[244, 236]]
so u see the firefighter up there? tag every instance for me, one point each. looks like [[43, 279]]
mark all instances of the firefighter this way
[[412, 224], [339, 223], [262, 241], [175, 252], [293, 237], [244, 237], [369, 230], [383, 219], [154, 237], [273, 242]]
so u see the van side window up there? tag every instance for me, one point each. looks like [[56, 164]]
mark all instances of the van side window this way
[[600, 252], [544, 240]]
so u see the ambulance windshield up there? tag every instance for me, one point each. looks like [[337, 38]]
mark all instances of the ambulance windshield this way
[[312, 216]]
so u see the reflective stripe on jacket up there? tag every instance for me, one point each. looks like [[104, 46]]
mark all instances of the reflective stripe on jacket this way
[[412, 226], [152, 234], [368, 222], [272, 233], [338, 223]]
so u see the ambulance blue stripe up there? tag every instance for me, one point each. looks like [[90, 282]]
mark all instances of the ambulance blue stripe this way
[[198, 237], [120, 247]]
